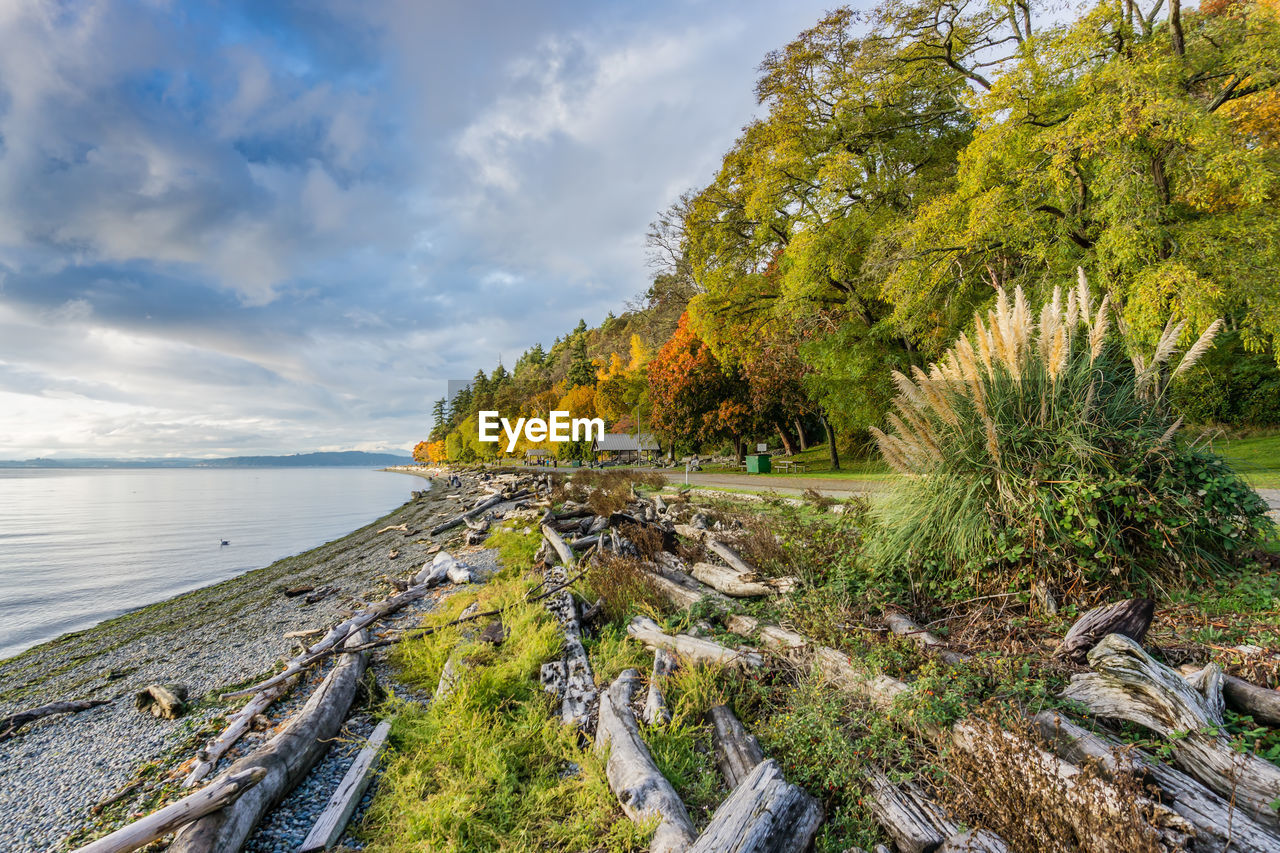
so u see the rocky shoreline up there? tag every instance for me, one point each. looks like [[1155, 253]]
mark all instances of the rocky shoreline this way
[[56, 770]]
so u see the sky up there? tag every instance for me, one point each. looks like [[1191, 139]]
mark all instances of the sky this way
[[270, 227]]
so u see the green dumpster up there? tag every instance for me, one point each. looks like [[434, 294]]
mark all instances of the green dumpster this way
[[758, 463]]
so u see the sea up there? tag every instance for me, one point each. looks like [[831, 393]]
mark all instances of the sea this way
[[78, 546]]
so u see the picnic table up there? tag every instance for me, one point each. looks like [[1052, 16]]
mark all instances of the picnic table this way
[[790, 466]]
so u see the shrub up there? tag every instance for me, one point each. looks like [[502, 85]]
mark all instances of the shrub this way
[[1047, 451]]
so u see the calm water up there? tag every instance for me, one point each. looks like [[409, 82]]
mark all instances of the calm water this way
[[77, 547]]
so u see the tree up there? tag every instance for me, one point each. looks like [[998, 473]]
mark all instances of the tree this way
[[695, 401], [421, 453], [581, 369]]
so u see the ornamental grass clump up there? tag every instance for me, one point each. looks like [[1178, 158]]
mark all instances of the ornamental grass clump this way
[[1044, 450]]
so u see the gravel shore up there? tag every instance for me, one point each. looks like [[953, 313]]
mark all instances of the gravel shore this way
[[228, 634]]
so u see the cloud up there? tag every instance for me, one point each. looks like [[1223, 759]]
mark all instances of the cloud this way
[[244, 227]]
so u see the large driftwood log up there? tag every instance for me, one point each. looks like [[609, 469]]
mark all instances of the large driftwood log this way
[[639, 786], [211, 798], [238, 724], [1129, 684], [1219, 827], [459, 520], [577, 684], [168, 701], [694, 649], [903, 625], [9, 725], [1024, 761], [656, 712], [1130, 618], [737, 753], [286, 758], [329, 827], [738, 584], [554, 539], [764, 814]]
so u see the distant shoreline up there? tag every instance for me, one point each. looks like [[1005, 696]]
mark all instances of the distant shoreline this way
[[339, 459]]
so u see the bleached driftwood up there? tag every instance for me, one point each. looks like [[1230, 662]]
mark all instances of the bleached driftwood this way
[[286, 758], [338, 635], [739, 584], [573, 681], [635, 780], [918, 825], [9, 725], [1219, 826], [1131, 618], [332, 822], [208, 758], [656, 712], [659, 504], [211, 798], [770, 636], [562, 550], [694, 649], [904, 626], [1024, 760], [763, 814], [450, 673], [1243, 697], [471, 513], [1129, 684], [737, 753]]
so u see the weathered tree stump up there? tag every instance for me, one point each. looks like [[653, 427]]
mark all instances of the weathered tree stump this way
[[167, 701], [1130, 618]]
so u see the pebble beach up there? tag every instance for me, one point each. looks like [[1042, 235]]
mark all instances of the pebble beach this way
[[58, 769]]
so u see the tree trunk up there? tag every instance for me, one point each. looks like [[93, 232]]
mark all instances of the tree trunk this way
[[786, 439], [1129, 684], [738, 449], [800, 436], [635, 780], [763, 814], [286, 758], [831, 444], [1175, 25]]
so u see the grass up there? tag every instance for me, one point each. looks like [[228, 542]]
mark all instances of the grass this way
[[1257, 458]]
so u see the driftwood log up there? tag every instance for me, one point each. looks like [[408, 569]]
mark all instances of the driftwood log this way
[[471, 513], [211, 798], [208, 758], [576, 685], [764, 814], [563, 551], [903, 625], [329, 827], [1130, 618], [694, 649], [1243, 697], [770, 636], [740, 584], [635, 780], [918, 825], [1219, 827], [656, 712], [9, 725], [1129, 684], [286, 758], [737, 753]]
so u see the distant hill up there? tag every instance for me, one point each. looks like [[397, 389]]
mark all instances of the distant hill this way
[[342, 459]]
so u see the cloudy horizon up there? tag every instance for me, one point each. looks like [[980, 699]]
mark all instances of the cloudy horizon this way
[[233, 229]]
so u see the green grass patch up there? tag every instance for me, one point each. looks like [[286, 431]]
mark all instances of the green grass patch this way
[[490, 768], [1257, 458]]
